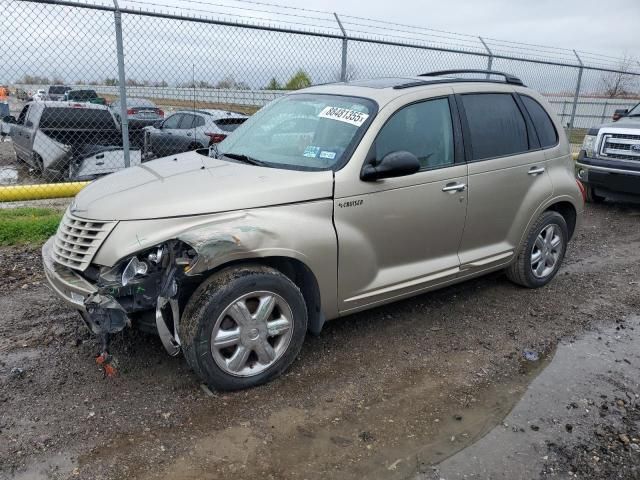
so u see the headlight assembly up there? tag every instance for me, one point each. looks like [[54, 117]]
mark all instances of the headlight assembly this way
[[589, 145]]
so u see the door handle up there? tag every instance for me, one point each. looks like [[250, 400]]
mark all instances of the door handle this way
[[536, 170], [188, 134], [454, 187]]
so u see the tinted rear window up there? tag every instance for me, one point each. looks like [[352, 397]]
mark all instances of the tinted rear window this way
[[542, 123], [229, 124], [140, 102], [58, 90], [77, 119], [496, 125], [83, 95]]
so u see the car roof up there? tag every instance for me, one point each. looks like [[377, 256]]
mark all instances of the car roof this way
[[216, 114], [72, 104], [384, 89]]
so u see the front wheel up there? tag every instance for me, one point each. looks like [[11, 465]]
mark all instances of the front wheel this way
[[243, 327], [541, 253]]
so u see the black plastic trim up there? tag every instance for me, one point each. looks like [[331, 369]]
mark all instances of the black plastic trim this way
[[508, 78]]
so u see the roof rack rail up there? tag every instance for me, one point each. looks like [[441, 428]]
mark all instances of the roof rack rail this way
[[508, 78]]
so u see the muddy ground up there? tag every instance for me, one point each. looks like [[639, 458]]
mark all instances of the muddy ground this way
[[389, 393]]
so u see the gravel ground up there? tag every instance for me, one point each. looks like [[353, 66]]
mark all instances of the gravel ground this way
[[420, 379]]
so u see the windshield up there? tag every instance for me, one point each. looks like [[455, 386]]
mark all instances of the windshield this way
[[302, 131], [634, 112]]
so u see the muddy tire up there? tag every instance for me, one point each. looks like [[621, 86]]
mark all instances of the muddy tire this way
[[541, 254], [243, 327]]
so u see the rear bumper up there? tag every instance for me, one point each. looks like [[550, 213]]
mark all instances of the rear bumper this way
[[69, 286]]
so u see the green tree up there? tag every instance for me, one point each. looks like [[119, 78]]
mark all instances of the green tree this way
[[299, 80], [273, 85]]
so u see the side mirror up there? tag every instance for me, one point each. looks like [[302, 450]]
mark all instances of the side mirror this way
[[619, 113], [394, 164], [29, 124], [158, 124], [9, 119]]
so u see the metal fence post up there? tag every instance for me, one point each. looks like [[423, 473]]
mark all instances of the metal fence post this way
[[577, 94], [124, 121], [490, 60], [343, 69], [604, 111]]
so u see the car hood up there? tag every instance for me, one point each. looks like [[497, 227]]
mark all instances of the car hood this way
[[624, 122], [194, 184]]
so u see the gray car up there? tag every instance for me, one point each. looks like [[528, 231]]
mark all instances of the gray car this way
[[140, 112], [191, 129], [330, 200]]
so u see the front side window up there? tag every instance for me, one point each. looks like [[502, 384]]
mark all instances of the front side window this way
[[542, 123], [634, 112], [496, 125], [302, 131], [424, 129], [173, 121]]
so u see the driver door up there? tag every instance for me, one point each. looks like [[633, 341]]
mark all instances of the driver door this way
[[399, 236], [161, 139]]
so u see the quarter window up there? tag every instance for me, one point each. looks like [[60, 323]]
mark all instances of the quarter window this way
[[496, 125], [424, 129], [542, 123]]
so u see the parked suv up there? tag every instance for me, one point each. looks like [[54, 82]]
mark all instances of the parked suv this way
[[330, 200], [190, 130], [609, 162], [56, 92]]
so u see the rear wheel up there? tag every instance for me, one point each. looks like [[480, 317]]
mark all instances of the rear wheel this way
[[243, 326], [541, 253]]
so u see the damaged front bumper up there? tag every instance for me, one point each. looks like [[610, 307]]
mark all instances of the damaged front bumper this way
[[105, 309]]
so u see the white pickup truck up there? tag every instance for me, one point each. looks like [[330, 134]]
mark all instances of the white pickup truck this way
[[69, 140], [609, 161]]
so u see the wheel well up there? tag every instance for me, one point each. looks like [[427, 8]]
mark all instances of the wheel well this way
[[298, 273], [568, 211]]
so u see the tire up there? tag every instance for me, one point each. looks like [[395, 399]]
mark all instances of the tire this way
[[592, 196], [242, 358], [524, 270]]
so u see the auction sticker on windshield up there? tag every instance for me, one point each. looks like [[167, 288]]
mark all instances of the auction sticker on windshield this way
[[344, 115]]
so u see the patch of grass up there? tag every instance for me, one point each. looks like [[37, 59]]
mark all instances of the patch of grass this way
[[19, 226], [577, 135]]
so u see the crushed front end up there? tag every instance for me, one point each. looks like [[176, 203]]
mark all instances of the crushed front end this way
[[109, 298]]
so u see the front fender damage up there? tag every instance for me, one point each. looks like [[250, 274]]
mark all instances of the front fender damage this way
[[189, 255]]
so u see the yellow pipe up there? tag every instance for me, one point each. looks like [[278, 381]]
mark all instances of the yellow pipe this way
[[575, 156], [16, 193]]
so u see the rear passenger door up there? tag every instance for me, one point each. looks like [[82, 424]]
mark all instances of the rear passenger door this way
[[507, 181]]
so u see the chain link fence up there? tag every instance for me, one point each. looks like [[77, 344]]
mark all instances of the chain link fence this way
[[90, 89]]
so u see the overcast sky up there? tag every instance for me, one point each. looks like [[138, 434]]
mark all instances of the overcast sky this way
[[610, 27]]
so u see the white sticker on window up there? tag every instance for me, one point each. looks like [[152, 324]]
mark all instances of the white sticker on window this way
[[327, 154], [344, 115]]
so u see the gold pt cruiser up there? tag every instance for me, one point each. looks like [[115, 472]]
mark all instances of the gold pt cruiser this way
[[328, 201]]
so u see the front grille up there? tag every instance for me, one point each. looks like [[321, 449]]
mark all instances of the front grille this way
[[78, 240], [621, 146]]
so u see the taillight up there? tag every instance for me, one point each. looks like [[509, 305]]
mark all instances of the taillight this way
[[160, 112], [132, 111], [583, 190], [215, 137]]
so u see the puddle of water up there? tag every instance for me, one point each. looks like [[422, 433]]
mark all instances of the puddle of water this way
[[600, 366], [386, 439], [56, 466]]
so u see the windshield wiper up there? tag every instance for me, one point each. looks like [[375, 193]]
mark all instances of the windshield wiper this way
[[245, 159]]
